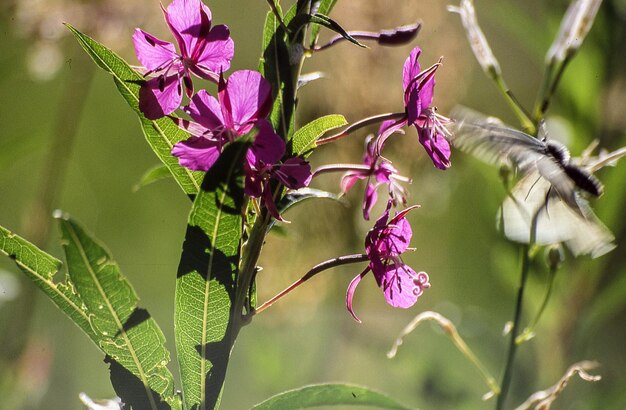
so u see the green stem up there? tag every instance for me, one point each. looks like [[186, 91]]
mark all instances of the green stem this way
[[530, 329], [520, 113], [508, 369]]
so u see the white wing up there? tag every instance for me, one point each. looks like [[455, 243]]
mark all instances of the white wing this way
[[556, 222]]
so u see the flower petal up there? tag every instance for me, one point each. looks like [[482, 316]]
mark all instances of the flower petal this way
[[246, 98], [369, 200], [402, 286], [294, 173], [160, 96], [216, 53], [268, 148], [386, 129], [350, 292], [205, 110], [187, 23], [350, 178], [152, 53], [411, 67], [197, 153], [437, 147]]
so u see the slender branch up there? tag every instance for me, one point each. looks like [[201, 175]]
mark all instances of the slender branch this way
[[450, 330], [515, 105], [360, 124], [529, 331], [342, 260]]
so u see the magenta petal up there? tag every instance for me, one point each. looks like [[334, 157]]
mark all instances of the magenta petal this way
[[386, 129], [217, 52], [426, 94], [350, 292], [197, 153], [349, 179], [268, 148], [152, 53], [369, 201], [411, 67], [205, 110], [184, 17], [160, 96], [246, 99], [295, 173], [402, 286], [253, 184], [437, 148]]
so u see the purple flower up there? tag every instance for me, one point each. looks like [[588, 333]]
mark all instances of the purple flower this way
[[384, 244], [418, 96], [203, 51], [242, 100], [262, 165], [378, 172]]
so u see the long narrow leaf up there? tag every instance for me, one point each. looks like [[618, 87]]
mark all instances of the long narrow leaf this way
[[324, 7], [206, 283], [133, 342], [303, 141], [161, 134], [41, 268], [329, 395]]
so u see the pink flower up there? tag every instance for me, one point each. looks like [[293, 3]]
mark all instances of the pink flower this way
[[384, 244], [203, 51], [263, 164], [242, 100], [378, 171], [418, 96]]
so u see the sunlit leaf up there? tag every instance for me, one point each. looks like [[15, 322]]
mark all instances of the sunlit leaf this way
[[161, 134], [152, 175], [206, 283], [41, 268], [303, 140], [328, 395], [131, 339]]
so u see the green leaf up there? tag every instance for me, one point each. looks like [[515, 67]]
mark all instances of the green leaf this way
[[41, 267], [324, 21], [206, 282], [325, 7], [303, 141], [154, 174], [131, 339], [161, 134], [298, 196], [275, 65], [328, 395]]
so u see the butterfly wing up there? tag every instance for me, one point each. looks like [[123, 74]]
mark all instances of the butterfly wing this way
[[494, 143], [556, 222]]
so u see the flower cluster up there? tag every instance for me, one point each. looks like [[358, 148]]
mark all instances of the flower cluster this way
[[243, 101], [384, 244]]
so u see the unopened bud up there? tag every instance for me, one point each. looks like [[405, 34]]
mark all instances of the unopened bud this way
[[477, 39], [574, 28], [555, 256], [399, 35]]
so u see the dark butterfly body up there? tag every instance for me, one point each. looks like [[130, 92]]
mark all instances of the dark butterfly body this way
[[547, 198]]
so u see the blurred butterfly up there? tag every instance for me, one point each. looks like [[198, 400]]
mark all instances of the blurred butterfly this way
[[550, 193]]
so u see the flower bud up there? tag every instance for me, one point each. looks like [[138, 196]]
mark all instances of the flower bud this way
[[574, 28], [554, 256], [477, 39]]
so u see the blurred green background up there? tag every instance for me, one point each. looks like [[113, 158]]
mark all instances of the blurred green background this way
[[53, 100]]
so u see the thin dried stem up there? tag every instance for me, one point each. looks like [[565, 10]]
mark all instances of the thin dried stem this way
[[450, 330]]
